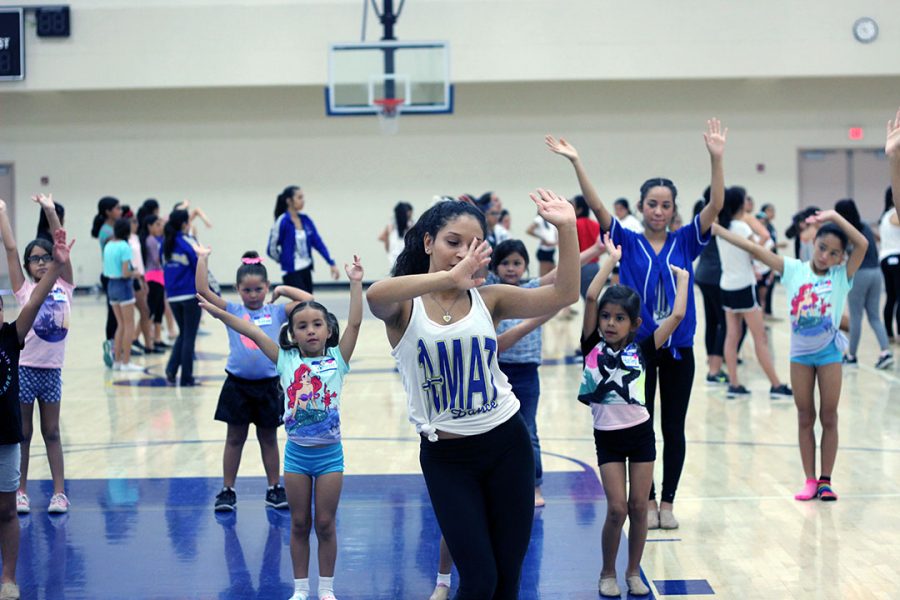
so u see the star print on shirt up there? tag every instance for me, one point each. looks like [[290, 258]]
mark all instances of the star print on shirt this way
[[612, 377], [616, 376]]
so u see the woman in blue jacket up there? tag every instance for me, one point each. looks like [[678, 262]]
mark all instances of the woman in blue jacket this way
[[179, 268], [293, 238]]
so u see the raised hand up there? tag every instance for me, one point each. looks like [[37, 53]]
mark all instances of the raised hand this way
[[355, 270], [615, 252], [209, 307], [202, 251], [561, 147], [465, 272], [44, 201], [822, 216], [61, 250], [680, 274], [892, 145], [554, 209], [715, 138]]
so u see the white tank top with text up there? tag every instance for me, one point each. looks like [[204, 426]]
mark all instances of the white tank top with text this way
[[450, 373]]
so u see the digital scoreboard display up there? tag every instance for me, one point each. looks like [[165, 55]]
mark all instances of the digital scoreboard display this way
[[12, 51]]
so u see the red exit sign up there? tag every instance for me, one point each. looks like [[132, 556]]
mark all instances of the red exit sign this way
[[855, 133]]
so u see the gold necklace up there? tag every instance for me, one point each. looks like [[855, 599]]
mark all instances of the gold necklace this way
[[447, 316]]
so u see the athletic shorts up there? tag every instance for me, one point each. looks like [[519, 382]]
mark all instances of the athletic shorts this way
[[826, 356], [244, 401], [313, 460], [10, 462], [41, 384], [636, 444], [546, 255], [743, 300], [120, 291]]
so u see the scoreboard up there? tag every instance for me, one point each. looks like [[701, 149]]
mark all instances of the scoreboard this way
[[12, 49]]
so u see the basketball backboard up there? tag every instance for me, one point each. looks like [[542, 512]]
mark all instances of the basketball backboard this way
[[363, 73]]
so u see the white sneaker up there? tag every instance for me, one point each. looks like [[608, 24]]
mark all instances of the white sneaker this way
[[59, 503], [652, 519], [23, 504], [117, 366], [636, 586], [667, 520], [131, 367], [609, 587], [441, 592]]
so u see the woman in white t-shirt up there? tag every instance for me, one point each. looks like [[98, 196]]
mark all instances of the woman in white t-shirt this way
[[738, 284], [475, 450], [393, 233], [546, 250]]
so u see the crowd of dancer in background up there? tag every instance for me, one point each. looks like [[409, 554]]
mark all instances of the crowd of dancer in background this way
[[455, 272]]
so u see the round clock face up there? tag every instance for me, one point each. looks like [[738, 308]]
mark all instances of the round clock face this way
[[865, 30]]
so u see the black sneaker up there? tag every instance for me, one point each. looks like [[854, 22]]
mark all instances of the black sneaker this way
[[850, 361], [735, 391], [885, 361], [719, 378], [276, 497], [782, 391], [161, 345], [226, 500]]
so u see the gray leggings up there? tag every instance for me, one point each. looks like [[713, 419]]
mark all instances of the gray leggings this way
[[866, 294]]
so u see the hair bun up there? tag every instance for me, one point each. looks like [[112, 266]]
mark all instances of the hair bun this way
[[250, 254]]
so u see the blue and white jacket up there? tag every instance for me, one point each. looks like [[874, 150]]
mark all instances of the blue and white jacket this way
[[179, 270], [282, 242]]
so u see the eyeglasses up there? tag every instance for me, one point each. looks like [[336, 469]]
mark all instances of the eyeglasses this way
[[40, 258]]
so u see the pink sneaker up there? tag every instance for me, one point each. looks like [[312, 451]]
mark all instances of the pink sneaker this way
[[23, 504], [58, 504], [809, 491]]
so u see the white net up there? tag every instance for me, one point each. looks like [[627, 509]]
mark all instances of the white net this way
[[388, 111]]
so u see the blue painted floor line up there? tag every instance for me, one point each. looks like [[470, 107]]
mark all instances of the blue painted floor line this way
[[159, 539]]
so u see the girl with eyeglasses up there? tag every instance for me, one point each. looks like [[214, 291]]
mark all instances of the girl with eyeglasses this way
[[41, 359]]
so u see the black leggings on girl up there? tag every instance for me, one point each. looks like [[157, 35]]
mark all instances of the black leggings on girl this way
[[676, 378], [890, 269], [715, 319], [482, 490]]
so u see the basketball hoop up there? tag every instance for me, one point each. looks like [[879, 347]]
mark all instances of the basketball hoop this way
[[388, 111]]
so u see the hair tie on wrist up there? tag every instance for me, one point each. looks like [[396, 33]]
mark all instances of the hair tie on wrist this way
[[251, 261]]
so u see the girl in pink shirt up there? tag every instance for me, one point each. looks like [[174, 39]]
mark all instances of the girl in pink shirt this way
[[41, 360]]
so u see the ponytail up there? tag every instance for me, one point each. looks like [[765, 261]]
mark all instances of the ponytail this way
[[176, 221], [413, 260], [286, 340], [734, 203], [104, 205], [282, 199]]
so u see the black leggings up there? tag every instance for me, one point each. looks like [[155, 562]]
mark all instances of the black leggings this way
[[301, 279], [111, 323], [891, 273], [676, 377], [715, 319], [482, 490], [187, 315], [156, 298]]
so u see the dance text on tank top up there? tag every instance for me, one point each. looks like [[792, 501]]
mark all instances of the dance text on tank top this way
[[450, 373]]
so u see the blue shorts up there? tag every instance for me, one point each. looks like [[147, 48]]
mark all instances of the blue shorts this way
[[120, 291], [10, 461], [826, 356], [313, 460], [41, 384]]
